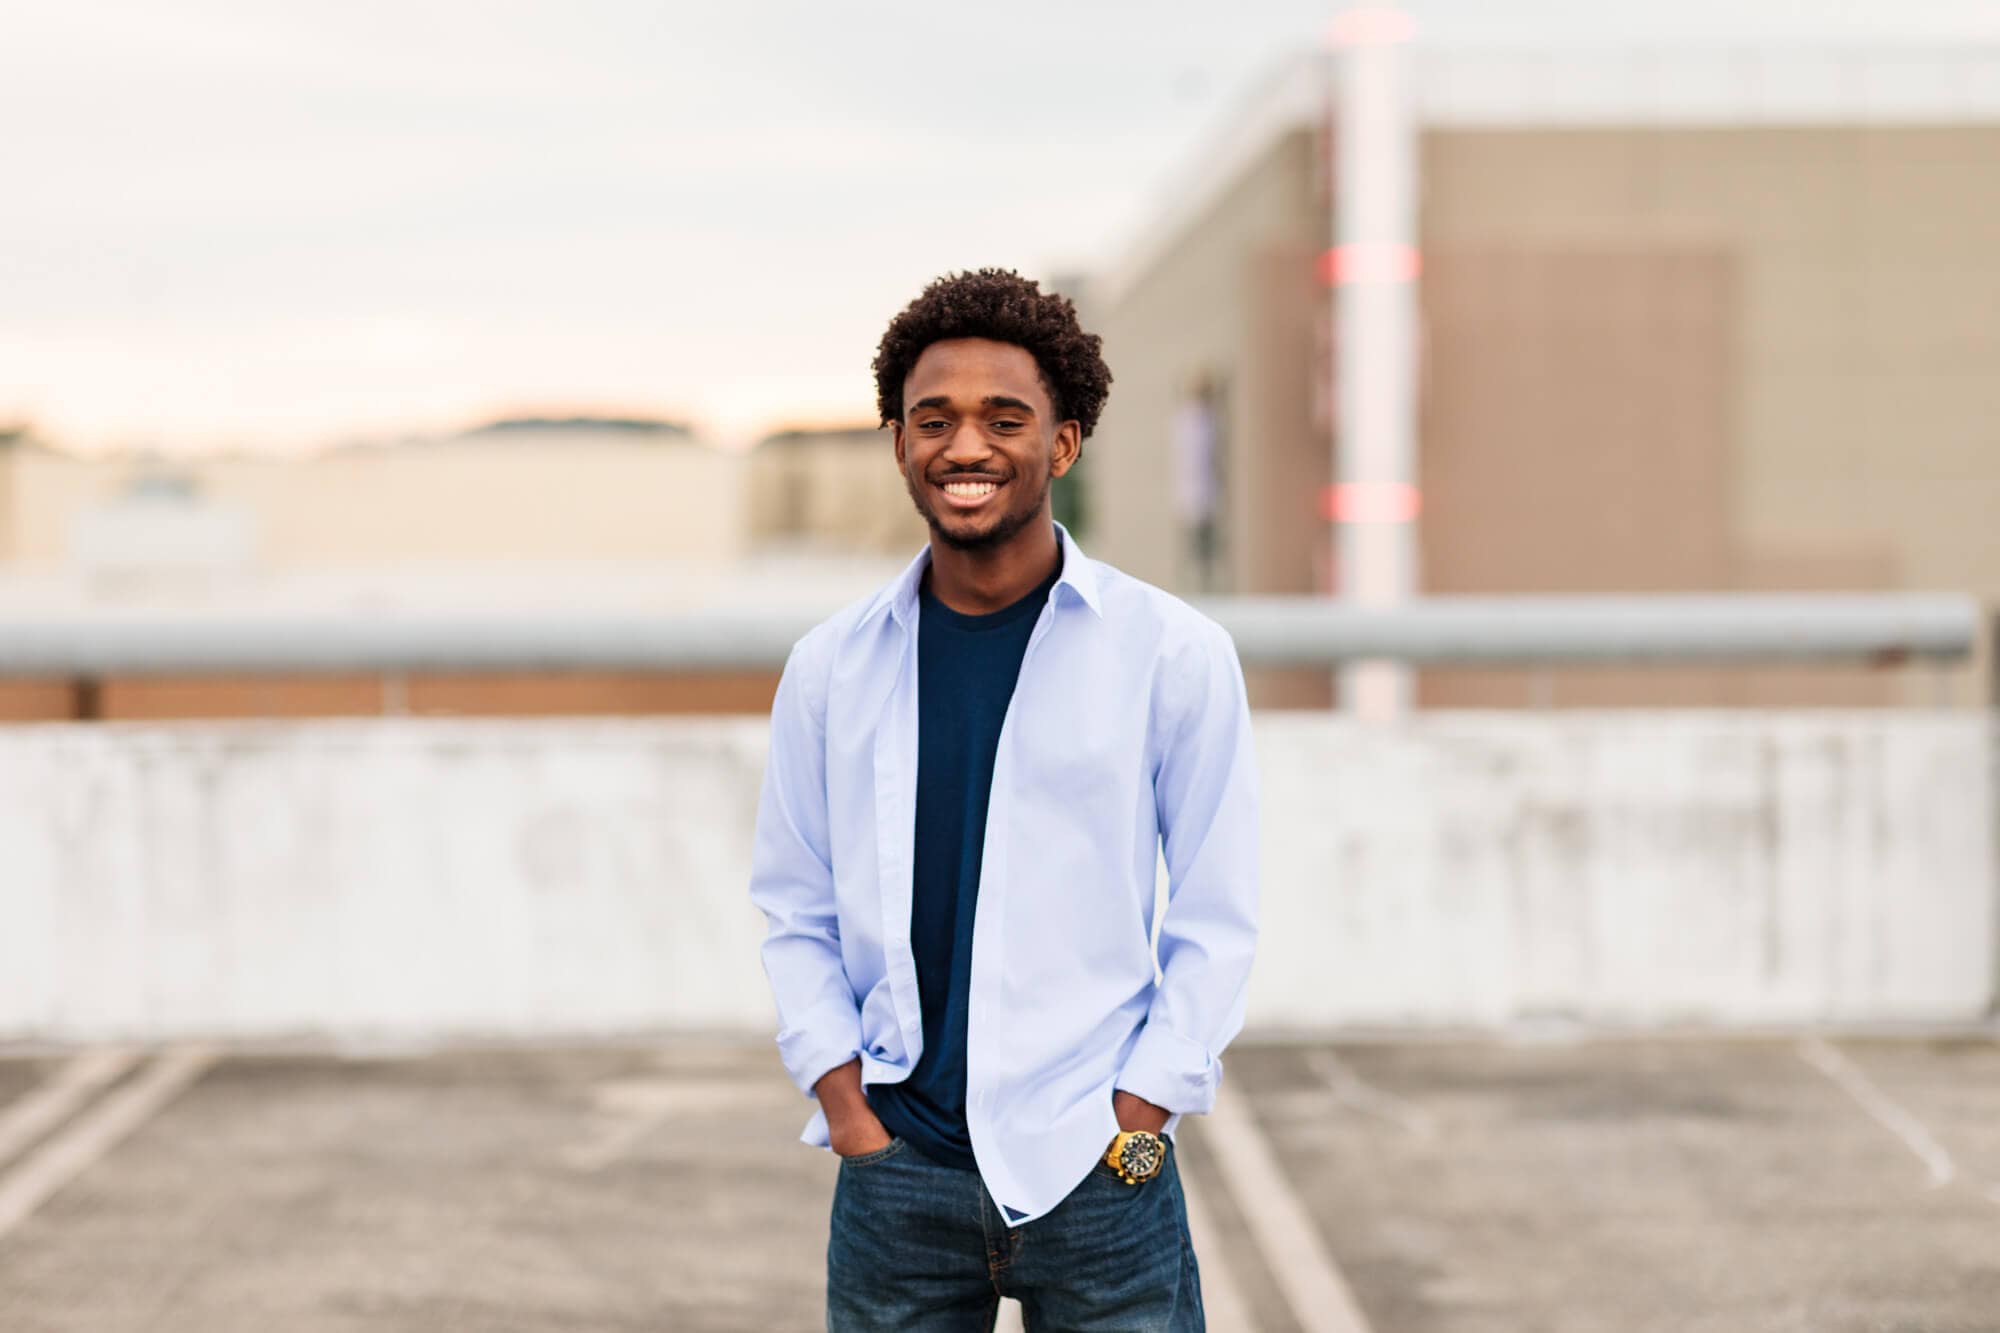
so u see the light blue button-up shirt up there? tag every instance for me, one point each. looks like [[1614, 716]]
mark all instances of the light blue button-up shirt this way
[[1128, 737]]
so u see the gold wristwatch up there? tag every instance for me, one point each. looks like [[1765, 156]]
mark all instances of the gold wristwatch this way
[[1136, 1155]]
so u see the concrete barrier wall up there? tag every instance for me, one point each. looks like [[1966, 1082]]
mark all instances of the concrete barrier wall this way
[[428, 878], [1650, 868]]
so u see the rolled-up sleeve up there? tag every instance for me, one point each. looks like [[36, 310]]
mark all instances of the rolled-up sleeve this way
[[791, 882], [1206, 793]]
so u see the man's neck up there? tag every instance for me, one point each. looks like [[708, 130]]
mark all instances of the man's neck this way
[[976, 582]]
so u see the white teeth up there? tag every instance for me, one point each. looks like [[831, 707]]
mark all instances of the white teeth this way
[[970, 490]]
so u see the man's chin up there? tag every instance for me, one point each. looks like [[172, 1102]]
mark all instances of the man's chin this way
[[981, 532], [968, 536]]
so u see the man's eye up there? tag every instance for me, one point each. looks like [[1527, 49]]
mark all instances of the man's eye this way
[[1007, 425], [929, 425]]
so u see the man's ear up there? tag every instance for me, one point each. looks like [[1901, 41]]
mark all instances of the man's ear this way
[[896, 433], [1069, 447]]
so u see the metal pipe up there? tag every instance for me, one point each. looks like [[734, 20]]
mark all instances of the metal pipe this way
[[1878, 630], [1665, 630], [1371, 272]]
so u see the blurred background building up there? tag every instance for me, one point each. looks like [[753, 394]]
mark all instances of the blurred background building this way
[[1707, 316], [1704, 318], [831, 491], [520, 489], [519, 514]]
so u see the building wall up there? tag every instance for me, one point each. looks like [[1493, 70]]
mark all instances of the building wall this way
[[834, 490], [1854, 396], [47, 491], [458, 522], [532, 879], [1660, 359], [444, 694], [24, 700], [530, 497], [11, 448], [1231, 299], [1575, 437], [1206, 307]]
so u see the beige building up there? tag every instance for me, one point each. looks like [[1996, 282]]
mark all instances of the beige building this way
[[526, 491], [544, 514], [1700, 321], [835, 490]]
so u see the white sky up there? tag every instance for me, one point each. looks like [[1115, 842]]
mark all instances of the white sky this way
[[270, 223]]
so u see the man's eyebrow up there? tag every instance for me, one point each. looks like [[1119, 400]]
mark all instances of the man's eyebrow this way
[[990, 400]]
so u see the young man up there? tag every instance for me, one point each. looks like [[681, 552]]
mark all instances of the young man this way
[[973, 776]]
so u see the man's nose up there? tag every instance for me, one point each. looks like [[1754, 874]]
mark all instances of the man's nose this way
[[968, 444]]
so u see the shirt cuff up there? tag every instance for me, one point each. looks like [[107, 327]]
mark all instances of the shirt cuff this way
[[810, 1053], [1171, 1072]]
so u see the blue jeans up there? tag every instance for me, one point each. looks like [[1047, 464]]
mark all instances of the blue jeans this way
[[919, 1246]]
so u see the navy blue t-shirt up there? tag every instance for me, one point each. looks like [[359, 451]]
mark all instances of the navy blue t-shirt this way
[[966, 669]]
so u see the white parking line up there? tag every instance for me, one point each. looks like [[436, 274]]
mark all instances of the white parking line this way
[[1355, 1093], [1816, 1052], [71, 1151], [1300, 1265], [51, 1102], [629, 1109]]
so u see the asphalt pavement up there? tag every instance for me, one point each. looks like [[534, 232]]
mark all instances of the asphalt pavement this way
[[1701, 1185]]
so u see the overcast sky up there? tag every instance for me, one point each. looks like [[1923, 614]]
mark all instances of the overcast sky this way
[[273, 222]]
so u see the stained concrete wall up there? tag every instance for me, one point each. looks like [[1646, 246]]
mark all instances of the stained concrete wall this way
[[429, 877]]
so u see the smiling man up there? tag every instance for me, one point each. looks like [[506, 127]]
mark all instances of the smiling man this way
[[974, 775]]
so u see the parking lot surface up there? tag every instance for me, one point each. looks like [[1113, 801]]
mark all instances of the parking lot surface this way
[[1413, 1186]]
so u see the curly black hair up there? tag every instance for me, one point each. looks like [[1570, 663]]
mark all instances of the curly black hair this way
[[1000, 304]]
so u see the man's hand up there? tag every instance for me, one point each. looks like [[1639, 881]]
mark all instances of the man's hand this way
[[1135, 1112], [850, 1120]]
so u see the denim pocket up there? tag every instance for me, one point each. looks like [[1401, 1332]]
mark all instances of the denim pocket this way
[[879, 1155]]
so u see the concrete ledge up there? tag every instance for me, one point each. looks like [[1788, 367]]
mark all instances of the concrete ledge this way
[[419, 878]]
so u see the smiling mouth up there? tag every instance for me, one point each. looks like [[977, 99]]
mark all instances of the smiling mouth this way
[[968, 492]]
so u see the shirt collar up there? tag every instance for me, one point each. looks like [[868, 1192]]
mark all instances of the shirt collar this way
[[1080, 573], [899, 598]]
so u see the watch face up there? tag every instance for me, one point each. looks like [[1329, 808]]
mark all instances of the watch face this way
[[1141, 1156]]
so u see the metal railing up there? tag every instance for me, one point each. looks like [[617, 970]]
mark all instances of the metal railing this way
[[1834, 629]]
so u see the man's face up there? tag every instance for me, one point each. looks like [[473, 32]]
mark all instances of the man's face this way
[[979, 443]]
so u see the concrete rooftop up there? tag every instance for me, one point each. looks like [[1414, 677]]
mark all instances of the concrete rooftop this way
[[1437, 1186]]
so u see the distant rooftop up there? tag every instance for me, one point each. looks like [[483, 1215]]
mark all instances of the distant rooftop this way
[[858, 432], [606, 425], [802, 579]]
